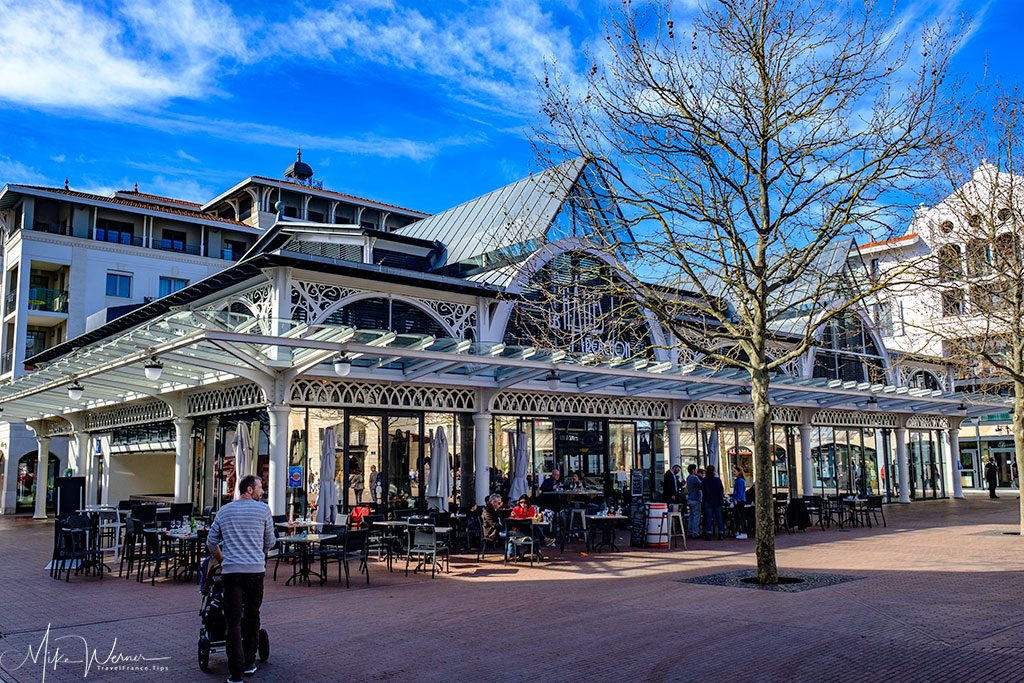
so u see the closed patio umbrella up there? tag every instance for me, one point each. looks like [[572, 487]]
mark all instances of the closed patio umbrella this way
[[242, 447], [713, 450], [519, 486], [327, 498], [439, 482]]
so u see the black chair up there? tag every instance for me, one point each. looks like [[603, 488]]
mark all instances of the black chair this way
[[331, 550], [497, 543], [156, 556], [181, 511], [813, 505], [145, 514], [133, 545], [874, 508], [57, 557], [520, 537], [357, 546], [423, 546], [79, 544]]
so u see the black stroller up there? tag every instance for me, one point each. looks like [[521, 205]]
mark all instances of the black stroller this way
[[213, 632]]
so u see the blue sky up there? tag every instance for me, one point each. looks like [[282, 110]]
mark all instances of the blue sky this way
[[422, 104]]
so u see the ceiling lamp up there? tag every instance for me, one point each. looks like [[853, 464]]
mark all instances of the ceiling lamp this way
[[553, 380], [154, 369], [342, 366], [75, 391]]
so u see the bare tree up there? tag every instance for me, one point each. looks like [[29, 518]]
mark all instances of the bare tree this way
[[744, 155], [970, 284]]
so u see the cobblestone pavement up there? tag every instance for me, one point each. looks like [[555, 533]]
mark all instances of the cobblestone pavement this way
[[938, 600]]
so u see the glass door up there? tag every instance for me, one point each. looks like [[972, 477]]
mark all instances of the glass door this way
[[382, 460], [362, 463], [406, 448]]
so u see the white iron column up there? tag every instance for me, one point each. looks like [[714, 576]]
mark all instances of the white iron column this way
[[952, 438], [182, 458], [278, 458], [903, 463], [481, 449], [673, 426], [78, 454], [806, 461], [42, 472]]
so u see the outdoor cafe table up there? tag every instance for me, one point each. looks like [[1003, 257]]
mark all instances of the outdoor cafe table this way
[[187, 552], [305, 544], [297, 524], [606, 523]]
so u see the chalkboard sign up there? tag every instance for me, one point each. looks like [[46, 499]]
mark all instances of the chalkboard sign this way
[[636, 483], [638, 521]]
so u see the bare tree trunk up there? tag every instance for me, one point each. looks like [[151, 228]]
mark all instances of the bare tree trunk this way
[[764, 501], [1018, 441]]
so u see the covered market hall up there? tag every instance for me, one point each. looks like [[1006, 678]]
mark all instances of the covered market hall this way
[[356, 344]]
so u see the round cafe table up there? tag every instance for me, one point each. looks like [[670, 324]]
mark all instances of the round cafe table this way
[[305, 542]]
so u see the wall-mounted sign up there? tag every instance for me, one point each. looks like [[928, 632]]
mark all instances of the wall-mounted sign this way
[[295, 476]]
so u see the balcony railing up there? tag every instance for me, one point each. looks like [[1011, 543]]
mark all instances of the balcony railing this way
[[52, 228], [6, 361], [10, 302], [230, 254], [53, 300], [178, 246], [169, 245]]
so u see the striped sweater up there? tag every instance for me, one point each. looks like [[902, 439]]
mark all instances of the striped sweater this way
[[244, 530]]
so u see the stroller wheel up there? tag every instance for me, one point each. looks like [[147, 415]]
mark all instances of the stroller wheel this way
[[204, 654], [263, 647]]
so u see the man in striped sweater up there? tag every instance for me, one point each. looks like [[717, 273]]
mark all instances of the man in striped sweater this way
[[241, 535]]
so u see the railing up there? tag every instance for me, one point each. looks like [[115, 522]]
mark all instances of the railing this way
[[6, 361], [53, 300], [178, 246], [34, 349], [10, 302], [52, 228], [230, 254], [168, 245]]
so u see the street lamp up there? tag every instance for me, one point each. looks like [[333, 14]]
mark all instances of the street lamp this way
[[342, 366], [553, 380], [153, 369], [75, 391]]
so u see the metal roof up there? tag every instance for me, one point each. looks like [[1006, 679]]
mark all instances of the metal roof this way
[[506, 217]]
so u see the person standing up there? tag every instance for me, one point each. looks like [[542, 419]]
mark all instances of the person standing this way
[[374, 483], [714, 498], [355, 480], [739, 499], [670, 485], [240, 537], [693, 499], [992, 476]]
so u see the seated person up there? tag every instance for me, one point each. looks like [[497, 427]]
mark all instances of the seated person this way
[[576, 483], [523, 510], [552, 482], [489, 518]]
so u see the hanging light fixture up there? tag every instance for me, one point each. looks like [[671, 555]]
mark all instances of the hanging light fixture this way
[[153, 369], [553, 380], [75, 391], [342, 366]]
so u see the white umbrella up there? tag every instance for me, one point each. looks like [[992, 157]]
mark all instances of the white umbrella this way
[[519, 487], [243, 453], [327, 498], [439, 481]]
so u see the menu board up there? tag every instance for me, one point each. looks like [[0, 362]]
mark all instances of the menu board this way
[[637, 522], [636, 483]]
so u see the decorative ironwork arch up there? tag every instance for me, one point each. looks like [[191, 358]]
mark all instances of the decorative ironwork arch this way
[[142, 412], [927, 422], [539, 403], [728, 412], [207, 402], [322, 392], [847, 418]]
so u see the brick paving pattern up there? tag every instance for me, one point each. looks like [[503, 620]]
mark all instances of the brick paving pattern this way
[[938, 601]]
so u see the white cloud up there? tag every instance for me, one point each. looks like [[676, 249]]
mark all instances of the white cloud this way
[[492, 54], [58, 158], [12, 171], [182, 154], [63, 55]]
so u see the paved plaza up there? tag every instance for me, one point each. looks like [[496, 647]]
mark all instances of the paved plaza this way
[[936, 598]]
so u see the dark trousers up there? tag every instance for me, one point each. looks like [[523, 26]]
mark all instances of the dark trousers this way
[[243, 595], [992, 488]]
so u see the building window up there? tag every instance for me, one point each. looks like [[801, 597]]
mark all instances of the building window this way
[[950, 265], [848, 352], [952, 303], [173, 240], [233, 250], [883, 320], [118, 232], [119, 284], [170, 285]]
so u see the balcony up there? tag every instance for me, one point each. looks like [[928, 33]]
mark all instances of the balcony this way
[[229, 254], [6, 362], [52, 228], [178, 246], [10, 302], [52, 300]]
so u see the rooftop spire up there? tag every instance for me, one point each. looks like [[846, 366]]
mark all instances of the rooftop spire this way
[[66, 183]]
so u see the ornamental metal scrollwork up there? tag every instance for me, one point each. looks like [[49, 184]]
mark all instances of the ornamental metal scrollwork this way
[[58, 427], [728, 412], [458, 317], [258, 302], [313, 301], [927, 422], [126, 415], [846, 418], [538, 403], [368, 394], [246, 395]]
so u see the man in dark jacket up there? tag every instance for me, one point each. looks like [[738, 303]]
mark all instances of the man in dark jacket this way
[[992, 476], [489, 518], [670, 485]]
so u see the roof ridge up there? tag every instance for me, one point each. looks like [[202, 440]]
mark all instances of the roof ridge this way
[[158, 196]]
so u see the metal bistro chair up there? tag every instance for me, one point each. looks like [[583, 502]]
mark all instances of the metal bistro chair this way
[[813, 505], [520, 537], [356, 547], [423, 545], [874, 508]]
